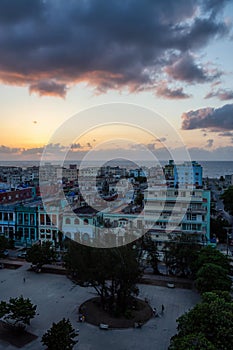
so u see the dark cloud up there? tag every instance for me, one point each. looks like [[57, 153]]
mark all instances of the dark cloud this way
[[186, 69], [221, 94], [9, 150], [210, 143], [33, 151], [162, 139], [220, 153], [212, 119], [48, 88], [12, 12], [226, 134], [176, 93], [51, 45], [76, 146]]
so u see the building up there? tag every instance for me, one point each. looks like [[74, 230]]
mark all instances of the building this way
[[188, 173], [18, 195], [170, 212], [80, 224], [26, 225], [50, 224], [7, 221], [138, 172]]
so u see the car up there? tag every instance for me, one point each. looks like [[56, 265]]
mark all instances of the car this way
[[5, 253], [22, 255]]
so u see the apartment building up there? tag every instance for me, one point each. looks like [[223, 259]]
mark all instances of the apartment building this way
[[169, 212]]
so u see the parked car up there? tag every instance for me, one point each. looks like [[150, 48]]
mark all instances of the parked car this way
[[5, 253], [22, 255]]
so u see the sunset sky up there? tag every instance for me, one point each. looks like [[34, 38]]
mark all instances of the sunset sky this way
[[58, 58]]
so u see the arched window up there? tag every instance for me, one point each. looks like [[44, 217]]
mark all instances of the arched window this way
[[68, 221], [76, 221], [85, 221]]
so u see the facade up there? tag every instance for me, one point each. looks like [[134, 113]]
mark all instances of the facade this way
[[138, 172], [49, 226], [172, 212], [188, 173], [7, 221], [81, 227], [26, 225]]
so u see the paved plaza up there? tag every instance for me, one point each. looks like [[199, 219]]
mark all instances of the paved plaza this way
[[57, 297]]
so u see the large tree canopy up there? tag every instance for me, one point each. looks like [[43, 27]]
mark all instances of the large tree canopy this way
[[18, 310], [61, 336], [211, 255], [212, 277], [113, 272], [180, 254], [212, 318], [41, 254]]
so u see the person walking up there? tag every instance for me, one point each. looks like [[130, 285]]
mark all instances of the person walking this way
[[162, 308], [24, 280]]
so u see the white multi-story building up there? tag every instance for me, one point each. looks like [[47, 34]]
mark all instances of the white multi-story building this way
[[170, 212]]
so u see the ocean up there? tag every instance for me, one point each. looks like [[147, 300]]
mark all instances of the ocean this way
[[212, 169]]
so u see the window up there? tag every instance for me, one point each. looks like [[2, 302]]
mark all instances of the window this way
[[67, 221], [54, 219], [26, 219], [42, 219], [76, 221], [48, 221], [20, 218]]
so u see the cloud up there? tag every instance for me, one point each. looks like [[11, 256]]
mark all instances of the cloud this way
[[226, 134], [9, 150], [162, 139], [210, 118], [186, 69], [176, 93], [220, 153], [33, 151], [48, 88], [76, 146], [221, 94], [50, 46], [210, 143]]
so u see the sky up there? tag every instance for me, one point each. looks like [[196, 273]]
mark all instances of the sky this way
[[173, 58]]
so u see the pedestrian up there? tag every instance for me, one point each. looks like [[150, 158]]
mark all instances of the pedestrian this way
[[162, 308], [24, 280], [154, 312]]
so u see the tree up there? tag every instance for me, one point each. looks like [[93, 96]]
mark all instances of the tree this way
[[211, 255], [213, 317], [139, 198], [18, 310], [61, 336], [3, 245], [146, 246], [196, 341], [180, 254], [217, 228], [113, 272], [212, 277], [41, 254], [227, 199]]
